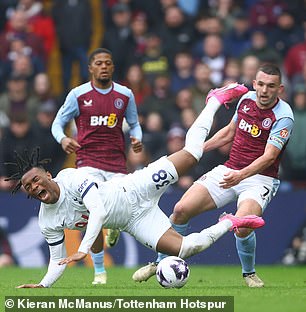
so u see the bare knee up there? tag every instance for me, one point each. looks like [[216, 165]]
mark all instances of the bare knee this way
[[180, 214]]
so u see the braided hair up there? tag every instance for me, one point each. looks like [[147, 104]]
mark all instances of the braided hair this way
[[25, 162]]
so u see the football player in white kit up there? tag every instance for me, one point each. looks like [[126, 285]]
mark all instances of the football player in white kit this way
[[76, 200]]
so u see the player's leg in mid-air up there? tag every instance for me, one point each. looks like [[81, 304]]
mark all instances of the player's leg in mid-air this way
[[152, 227], [201, 126]]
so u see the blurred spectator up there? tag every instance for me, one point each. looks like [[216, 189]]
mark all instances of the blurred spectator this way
[[294, 159], [232, 71], [182, 75], [118, 38], [296, 253], [139, 28], [205, 25], [17, 98], [261, 48], [249, 66], [238, 39], [183, 100], [136, 81], [176, 33], [73, 27], [42, 89], [154, 136], [188, 116], [300, 78], [213, 55], [17, 137], [295, 58], [39, 22], [18, 28], [18, 49], [154, 61], [4, 5], [161, 100], [24, 66], [6, 257], [48, 146], [286, 34], [224, 10], [202, 86], [264, 13]]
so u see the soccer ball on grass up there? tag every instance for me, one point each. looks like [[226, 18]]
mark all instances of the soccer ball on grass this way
[[172, 272]]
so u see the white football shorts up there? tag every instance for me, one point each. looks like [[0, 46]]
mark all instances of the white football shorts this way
[[143, 190], [100, 174], [257, 187]]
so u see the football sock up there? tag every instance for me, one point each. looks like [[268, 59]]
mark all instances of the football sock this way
[[181, 229], [98, 261], [199, 130], [246, 251], [197, 242]]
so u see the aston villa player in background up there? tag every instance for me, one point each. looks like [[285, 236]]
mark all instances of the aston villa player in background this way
[[98, 108]]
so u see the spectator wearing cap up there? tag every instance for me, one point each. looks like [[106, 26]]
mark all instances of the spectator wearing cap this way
[[119, 39]]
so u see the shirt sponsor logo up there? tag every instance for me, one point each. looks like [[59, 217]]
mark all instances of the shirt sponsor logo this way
[[252, 129], [83, 185], [108, 121], [266, 123], [284, 133], [119, 103]]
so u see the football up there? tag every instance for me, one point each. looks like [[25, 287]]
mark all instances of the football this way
[[172, 272]]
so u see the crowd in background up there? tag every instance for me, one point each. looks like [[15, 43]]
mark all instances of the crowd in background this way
[[169, 52]]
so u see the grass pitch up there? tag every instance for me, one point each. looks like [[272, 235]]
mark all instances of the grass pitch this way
[[285, 287]]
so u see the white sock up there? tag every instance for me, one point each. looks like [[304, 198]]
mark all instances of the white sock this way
[[199, 130], [197, 242]]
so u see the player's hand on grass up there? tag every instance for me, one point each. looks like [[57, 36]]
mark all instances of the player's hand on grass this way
[[69, 145], [30, 286], [75, 257], [136, 145]]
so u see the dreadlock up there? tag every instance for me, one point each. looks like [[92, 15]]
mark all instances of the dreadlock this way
[[25, 162]]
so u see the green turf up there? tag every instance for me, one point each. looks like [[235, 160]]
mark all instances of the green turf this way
[[285, 287]]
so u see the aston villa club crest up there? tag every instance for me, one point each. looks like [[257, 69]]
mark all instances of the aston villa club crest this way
[[266, 123], [119, 103]]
